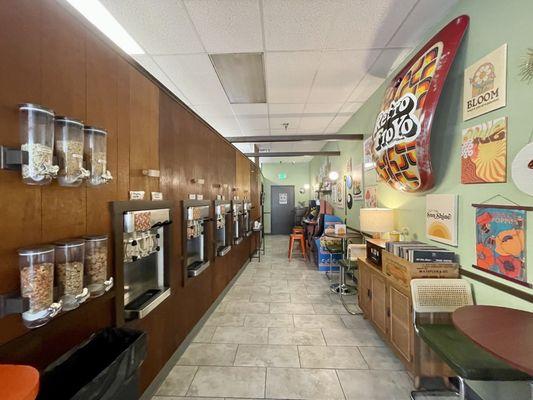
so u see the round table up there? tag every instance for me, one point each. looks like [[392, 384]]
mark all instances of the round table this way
[[18, 382], [342, 288], [506, 333]]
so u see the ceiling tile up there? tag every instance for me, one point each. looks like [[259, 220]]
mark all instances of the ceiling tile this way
[[412, 32], [298, 24], [332, 129], [367, 24], [366, 88], [249, 123], [159, 26], [386, 61], [317, 124], [227, 26], [214, 110], [339, 74], [339, 121], [274, 108], [250, 109], [330, 108], [290, 75], [194, 75], [350, 107], [224, 125], [277, 123]]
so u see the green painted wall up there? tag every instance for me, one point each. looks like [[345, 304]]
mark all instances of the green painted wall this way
[[297, 175], [492, 23]]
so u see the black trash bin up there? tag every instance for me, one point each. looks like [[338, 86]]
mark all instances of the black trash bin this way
[[105, 367]]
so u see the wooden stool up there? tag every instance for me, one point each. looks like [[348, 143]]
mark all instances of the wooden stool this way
[[297, 237], [18, 382]]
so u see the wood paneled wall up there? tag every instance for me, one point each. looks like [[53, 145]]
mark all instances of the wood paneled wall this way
[[51, 58]]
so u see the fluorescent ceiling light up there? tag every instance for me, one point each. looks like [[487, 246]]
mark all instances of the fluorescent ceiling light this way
[[242, 76], [100, 17]]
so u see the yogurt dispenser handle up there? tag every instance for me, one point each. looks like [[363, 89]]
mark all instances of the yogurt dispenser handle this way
[[49, 170], [106, 176], [108, 284], [84, 295]]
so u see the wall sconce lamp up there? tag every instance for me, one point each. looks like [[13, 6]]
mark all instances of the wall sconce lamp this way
[[333, 175]]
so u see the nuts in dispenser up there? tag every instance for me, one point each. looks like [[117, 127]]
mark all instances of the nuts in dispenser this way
[[95, 153], [37, 284], [96, 265], [36, 129], [69, 257], [69, 151]]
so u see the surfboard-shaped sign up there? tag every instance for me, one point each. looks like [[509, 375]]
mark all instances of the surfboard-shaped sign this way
[[401, 137]]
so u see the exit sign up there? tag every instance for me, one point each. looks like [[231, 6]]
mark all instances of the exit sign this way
[[282, 176]]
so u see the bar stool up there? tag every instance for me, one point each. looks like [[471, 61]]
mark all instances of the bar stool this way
[[298, 229], [297, 237], [18, 382]]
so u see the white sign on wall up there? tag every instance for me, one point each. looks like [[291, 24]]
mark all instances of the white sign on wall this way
[[283, 198]]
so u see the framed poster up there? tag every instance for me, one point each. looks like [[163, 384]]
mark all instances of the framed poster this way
[[484, 152], [339, 197], [368, 161], [485, 84], [401, 136], [501, 242], [441, 218], [371, 197], [357, 182]]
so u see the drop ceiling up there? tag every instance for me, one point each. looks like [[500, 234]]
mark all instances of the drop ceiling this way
[[322, 58]]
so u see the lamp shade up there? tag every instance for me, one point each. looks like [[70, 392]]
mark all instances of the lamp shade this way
[[376, 220]]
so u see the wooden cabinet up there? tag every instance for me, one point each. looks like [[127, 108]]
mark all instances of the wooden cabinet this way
[[388, 306]]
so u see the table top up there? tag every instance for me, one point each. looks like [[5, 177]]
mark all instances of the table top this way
[[346, 235], [18, 382], [504, 332]]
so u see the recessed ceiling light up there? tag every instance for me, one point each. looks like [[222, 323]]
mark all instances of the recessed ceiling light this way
[[242, 76], [100, 17]]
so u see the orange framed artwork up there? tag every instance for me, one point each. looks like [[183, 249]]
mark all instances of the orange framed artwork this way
[[484, 152]]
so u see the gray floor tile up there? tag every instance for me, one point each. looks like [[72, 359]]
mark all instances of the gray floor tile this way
[[240, 335], [269, 321], [296, 383], [270, 298], [308, 336], [209, 354], [228, 382], [337, 357], [351, 337], [267, 356], [177, 382], [289, 308], [225, 319], [247, 308], [375, 385], [318, 321], [205, 334], [381, 358], [329, 309]]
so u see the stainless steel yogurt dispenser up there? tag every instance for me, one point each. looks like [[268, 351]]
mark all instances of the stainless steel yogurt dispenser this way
[[238, 221], [196, 236], [142, 253], [223, 223]]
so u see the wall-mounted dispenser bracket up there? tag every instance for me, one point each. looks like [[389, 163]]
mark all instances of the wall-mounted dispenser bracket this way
[[12, 158], [13, 303]]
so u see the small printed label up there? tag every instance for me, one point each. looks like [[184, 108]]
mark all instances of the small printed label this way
[[157, 196], [219, 197], [199, 197], [192, 196], [136, 194]]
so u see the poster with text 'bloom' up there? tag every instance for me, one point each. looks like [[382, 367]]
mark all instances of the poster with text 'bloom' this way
[[501, 243]]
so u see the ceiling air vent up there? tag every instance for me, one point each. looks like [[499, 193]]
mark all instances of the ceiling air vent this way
[[242, 76]]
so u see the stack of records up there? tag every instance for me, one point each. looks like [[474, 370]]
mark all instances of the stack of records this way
[[419, 252]]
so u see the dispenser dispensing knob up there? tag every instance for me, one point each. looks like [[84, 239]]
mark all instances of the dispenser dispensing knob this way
[[134, 258], [134, 243], [157, 235], [157, 248]]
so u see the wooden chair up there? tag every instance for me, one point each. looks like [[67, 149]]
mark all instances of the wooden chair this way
[[298, 237]]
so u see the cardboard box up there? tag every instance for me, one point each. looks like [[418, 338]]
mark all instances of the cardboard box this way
[[402, 271]]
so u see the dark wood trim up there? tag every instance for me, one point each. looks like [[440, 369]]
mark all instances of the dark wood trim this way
[[506, 207], [497, 285]]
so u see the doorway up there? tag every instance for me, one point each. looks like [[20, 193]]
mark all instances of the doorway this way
[[281, 209]]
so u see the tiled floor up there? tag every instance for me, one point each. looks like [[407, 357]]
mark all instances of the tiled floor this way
[[280, 334]]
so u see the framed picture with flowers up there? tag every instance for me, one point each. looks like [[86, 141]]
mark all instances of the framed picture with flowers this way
[[501, 242]]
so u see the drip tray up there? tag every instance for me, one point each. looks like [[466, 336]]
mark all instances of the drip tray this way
[[223, 250], [197, 268], [145, 303]]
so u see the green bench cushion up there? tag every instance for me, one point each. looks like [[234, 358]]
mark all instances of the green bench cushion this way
[[465, 357]]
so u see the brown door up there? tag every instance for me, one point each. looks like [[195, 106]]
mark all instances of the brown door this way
[[400, 322], [379, 302], [364, 289]]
